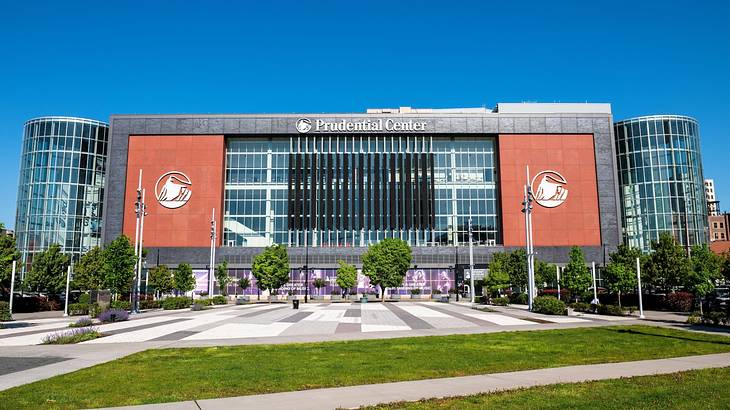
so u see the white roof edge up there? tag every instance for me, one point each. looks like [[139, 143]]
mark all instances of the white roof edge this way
[[554, 108]]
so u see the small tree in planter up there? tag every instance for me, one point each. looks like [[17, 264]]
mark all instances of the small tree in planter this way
[[160, 278], [271, 268], [319, 283], [346, 276], [183, 279], [244, 283], [386, 263], [577, 276], [221, 276]]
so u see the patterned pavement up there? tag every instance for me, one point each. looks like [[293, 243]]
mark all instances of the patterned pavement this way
[[280, 320]]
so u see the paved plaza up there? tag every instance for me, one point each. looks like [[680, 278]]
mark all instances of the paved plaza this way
[[281, 321]]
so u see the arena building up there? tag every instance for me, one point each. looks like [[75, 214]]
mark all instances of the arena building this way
[[329, 185]]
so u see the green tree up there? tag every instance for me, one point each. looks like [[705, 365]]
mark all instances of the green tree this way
[[244, 283], [545, 274], [576, 277], [667, 266], [346, 276], [620, 273], [161, 279], [706, 269], [271, 268], [319, 283], [221, 276], [118, 267], [496, 281], [8, 253], [386, 263], [726, 265], [183, 280], [89, 271], [48, 272], [517, 268]]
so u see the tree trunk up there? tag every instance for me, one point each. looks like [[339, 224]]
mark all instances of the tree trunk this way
[[619, 299], [701, 314]]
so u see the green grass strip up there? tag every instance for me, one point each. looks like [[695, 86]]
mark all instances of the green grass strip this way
[[165, 375], [697, 389]]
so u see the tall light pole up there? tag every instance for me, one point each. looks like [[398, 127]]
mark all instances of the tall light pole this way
[[595, 286], [471, 261], [213, 236], [68, 285], [138, 214], [527, 210], [12, 289], [638, 280], [142, 211], [557, 274]]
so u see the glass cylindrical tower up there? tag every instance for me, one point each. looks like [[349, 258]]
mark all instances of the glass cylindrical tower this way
[[660, 180], [61, 186]]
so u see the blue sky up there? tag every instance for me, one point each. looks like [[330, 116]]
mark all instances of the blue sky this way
[[92, 59]]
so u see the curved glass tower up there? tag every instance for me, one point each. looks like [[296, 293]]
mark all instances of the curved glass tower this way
[[660, 180], [61, 186]]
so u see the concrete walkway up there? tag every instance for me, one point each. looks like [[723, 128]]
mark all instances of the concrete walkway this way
[[372, 394]]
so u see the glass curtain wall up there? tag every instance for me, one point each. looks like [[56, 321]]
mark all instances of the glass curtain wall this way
[[355, 190], [660, 180], [61, 186]]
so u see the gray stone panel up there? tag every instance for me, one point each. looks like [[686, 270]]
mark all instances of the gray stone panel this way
[[458, 126], [185, 126], [474, 125], [153, 127], [506, 125], [247, 126], [538, 125], [215, 126], [200, 126], [569, 125], [167, 125], [491, 125], [522, 125], [138, 126], [553, 125]]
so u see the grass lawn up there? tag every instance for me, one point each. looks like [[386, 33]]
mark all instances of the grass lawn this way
[[165, 375], [698, 389]]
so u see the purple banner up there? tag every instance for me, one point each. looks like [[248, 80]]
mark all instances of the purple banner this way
[[424, 279], [201, 281]]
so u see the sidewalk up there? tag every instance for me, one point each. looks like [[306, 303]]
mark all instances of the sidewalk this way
[[372, 394]]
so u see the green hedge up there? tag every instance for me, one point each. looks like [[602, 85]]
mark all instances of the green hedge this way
[[518, 298], [121, 304], [203, 302], [75, 309], [612, 310], [179, 302], [503, 301], [150, 304], [219, 300], [95, 309], [5, 312], [548, 305]]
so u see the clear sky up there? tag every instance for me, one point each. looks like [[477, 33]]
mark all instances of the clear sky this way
[[95, 58]]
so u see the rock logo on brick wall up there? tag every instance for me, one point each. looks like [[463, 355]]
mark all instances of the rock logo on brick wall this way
[[173, 189], [551, 191]]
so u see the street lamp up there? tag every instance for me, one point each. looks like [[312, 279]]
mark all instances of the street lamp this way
[[527, 210]]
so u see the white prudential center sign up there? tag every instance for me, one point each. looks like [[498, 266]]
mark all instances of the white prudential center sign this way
[[305, 125], [550, 191], [172, 189]]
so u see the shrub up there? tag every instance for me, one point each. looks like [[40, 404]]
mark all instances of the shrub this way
[[5, 312], [548, 305], [415, 291], [680, 301], [219, 300], [204, 293], [150, 304], [335, 293], [203, 302], [121, 304], [197, 306], [114, 315], [582, 307], [631, 309], [714, 318], [518, 298], [78, 309], [503, 301], [95, 309], [612, 310], [83, 322], [71, 336], [180, 302], [694, 319], [436, 292], [84, 298]]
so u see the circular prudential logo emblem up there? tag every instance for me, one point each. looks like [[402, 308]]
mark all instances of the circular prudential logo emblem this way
[[550, 191], [173, 189], [304, 125]]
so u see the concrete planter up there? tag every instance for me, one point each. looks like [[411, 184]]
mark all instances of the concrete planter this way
[[354, 298], [395, 297], [242, 300], [437, 296], [335, 297], [317, 297], [372, 298]]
